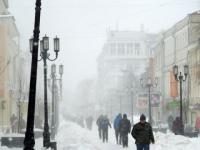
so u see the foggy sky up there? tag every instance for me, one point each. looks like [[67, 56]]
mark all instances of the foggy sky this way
[[82, 25]]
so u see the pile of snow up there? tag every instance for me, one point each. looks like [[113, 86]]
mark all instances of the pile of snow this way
[[73, 137], [170, 141]]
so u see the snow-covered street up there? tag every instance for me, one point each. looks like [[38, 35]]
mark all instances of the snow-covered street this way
[[73, 137]]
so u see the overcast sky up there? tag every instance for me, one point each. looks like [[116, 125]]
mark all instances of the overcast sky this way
[[82, 25]]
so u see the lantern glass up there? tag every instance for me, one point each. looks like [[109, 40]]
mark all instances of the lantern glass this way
[[61, 69], [31, 44], [175, 70], [186, 70], [45, 43], [53, 69], [56, 44], [41, 46]]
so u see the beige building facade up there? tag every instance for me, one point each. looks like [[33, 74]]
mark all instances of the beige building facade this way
[[178, 45], [9, 49]]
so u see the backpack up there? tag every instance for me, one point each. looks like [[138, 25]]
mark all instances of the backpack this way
[[125, 126], [104, 123]]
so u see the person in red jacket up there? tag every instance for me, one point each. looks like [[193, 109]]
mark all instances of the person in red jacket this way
[[197, 124]]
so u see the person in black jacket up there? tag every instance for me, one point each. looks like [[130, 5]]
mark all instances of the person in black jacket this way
[[143, 134], [104, 126], [125, 128], [99, 120]]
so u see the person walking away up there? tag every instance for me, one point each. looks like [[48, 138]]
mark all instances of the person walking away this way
[[197, 124], [104, 125], [98, 122], [13, 122], [125, 128], [143, 134], [117, 122], [90, 122], [177, 126]]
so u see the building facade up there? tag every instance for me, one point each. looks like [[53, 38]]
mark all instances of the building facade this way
[[9, 50], [123, 58], [173, 47]]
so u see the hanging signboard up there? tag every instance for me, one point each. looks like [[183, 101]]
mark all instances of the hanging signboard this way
[[143, 100], [155, 100]]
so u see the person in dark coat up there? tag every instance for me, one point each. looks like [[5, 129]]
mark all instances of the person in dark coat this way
[[13, 121], [98, 122], [143, 134], [177, 126], [125, 128], [89, 121], [104, 125], [117, 122]]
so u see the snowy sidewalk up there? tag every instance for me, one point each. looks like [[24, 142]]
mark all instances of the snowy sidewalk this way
[[73, 137]]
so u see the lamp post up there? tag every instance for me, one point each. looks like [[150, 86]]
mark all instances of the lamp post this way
[[61, 70], [130, 89], [54, 122], [149, 84], [180, 77], [29, 140], [44, 47]]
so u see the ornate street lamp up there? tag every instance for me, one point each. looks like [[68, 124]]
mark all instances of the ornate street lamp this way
[[149, 84], [54, 101], [61, 70], [53, 76], [180, 77], [44, 47], [61, 73]]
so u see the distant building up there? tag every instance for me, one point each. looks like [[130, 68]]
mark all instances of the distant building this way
[[124, 53]]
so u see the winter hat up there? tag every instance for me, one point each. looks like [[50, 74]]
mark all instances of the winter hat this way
[[124, 116], [142, 117]]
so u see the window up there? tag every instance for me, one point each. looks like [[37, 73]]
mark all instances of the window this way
[[137, 48], [112, 48], [121, 48], [130, 48]]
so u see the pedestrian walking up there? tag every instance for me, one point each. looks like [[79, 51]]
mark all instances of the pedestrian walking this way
[[117, 122], [13, 122], [99, 126], [177, 126], [104, 125], [197, 124], [125, 128], [89, 122], [143, 134]]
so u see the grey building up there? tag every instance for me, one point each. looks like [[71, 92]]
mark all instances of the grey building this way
[[124, 58]]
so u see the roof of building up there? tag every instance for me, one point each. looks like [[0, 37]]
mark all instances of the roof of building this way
[[182, 23], [115, 35]]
